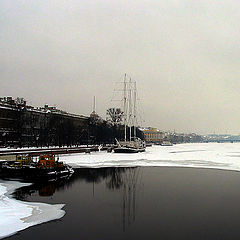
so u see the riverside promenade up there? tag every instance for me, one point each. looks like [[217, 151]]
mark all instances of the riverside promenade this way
[[7, 153]]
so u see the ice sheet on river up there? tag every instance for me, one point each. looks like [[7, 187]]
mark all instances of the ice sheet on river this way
[[17, 215], [199, 155]]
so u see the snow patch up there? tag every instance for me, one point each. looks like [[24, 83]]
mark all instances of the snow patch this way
[[18, 215]]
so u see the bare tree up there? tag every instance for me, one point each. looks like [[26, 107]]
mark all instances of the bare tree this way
[[114, 115]]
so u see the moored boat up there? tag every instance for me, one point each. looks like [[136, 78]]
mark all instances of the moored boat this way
[[130, 146], [46, 167], [166, 143], [131, 143]]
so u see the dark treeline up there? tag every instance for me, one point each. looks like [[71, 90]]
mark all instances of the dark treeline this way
[[25, 128], [105, 132]]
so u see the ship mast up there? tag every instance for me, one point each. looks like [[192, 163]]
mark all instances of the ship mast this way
[[130, 109], [125, 107], [134, 110]]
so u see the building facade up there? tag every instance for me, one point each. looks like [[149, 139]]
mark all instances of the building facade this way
[[153, 135], [22, 125]]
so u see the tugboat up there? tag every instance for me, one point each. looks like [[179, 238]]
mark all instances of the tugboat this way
[[18, 167], [46, 167]]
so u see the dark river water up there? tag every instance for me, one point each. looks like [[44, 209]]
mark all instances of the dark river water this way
[[140, 203]]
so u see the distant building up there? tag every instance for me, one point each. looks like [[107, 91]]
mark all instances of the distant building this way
[[156, 136], [153, 135]]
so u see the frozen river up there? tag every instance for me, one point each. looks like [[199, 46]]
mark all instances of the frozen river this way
[[224, 156], [18, 215]]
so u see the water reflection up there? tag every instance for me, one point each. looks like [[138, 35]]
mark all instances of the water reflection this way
[[157, 203], [126, 181], [44, 188], [130, 184]]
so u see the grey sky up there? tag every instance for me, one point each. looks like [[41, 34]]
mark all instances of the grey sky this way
[[184, 55]]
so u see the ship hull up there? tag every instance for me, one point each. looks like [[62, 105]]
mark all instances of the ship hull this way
[[35, 173], [125, 150], [128, 150]]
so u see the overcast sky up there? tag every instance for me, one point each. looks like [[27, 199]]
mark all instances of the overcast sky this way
[[184, 55]]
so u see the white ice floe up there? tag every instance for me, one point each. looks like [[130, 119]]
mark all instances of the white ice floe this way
[[199, 155], [17, 215]]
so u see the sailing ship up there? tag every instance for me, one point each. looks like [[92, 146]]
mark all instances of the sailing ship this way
[[131, 143], [134, 146]]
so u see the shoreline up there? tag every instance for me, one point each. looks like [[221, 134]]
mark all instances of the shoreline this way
[[18, 215]]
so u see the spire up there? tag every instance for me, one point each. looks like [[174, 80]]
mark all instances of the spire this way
[[94, 114], [94, 104]]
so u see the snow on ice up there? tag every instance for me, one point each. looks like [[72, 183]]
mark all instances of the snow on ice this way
[[224, 156], [18, 215]]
